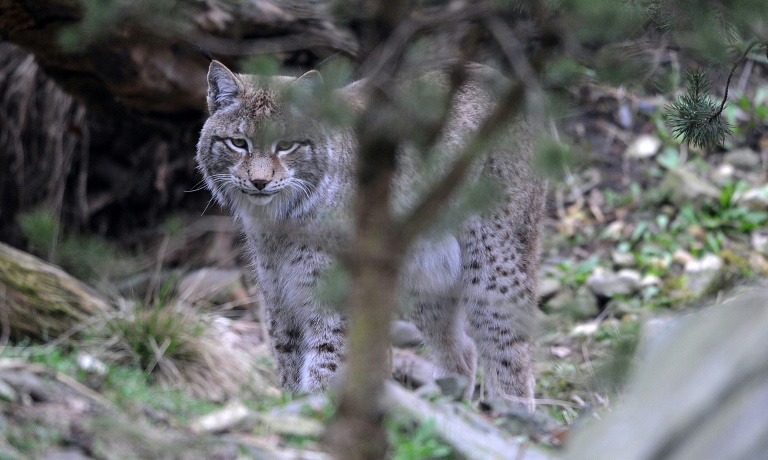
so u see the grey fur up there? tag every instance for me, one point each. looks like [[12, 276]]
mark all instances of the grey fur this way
[[474, 290]]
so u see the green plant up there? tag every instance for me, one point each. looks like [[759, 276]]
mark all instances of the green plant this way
[[572, 274], [416, 443], [87, 258], [695, 116]]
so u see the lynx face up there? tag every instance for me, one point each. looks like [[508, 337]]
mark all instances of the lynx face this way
[[254, 151]]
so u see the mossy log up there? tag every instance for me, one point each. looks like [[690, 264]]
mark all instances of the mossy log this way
[[42, 301]]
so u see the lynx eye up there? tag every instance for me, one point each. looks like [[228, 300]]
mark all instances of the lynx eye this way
[[285, 147], [237, 143]]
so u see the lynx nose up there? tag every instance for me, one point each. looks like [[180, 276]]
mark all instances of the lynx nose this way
[[259, 183]]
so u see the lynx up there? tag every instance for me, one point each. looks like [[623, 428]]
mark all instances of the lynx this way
[[288, 179]]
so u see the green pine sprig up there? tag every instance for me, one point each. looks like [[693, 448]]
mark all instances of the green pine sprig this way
[[695, 117]]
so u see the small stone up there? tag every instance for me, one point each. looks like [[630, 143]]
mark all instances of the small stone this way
[[452, 386], [650, 280], [682, 257], [91, 365], [622, 307], [755, 199], [559, 301], [560, 351], [746, 159], [586, 329], [645, 146], [723, 174], [580, 304], [759, 239], [605, 283], [405, 335], [614, 230], [684, 187], [7, 393], [702, 274], [623, 259], [548, 287]]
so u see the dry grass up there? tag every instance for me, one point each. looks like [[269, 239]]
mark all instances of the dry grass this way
[[185, 348]]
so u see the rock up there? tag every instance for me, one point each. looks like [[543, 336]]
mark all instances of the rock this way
[[214, 285], [605, 283], [621, 307], [614, 231], [684, 187], [682, 257], [452, 386], [586, 329], [91, 365], [7, 393], [579, 304], [759, 239], [701, 274], [723, 174], [405, 335], [755, 199], [548, 287], [645, 146], [746, 159], [623, 259], [650, 280]]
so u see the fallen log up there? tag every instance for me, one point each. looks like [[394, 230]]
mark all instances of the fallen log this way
[[41, 301]]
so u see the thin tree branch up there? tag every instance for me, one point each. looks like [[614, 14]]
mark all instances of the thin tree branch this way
[[430, 206], [730, 75]]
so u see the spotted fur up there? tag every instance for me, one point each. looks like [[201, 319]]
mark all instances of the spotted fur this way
[[288, 180]]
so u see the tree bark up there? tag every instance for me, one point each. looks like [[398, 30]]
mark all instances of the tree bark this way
[[41, 301]]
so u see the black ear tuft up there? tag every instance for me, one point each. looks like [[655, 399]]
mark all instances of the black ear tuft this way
[[223, 87]]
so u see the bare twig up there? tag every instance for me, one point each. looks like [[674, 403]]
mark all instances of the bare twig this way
[[730, 75], [429, 207]]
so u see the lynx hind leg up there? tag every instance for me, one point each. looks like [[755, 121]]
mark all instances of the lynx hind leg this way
[[325, 347], [442, 324], [499, 275]]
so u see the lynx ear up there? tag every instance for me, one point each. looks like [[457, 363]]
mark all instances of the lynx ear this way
[[310, 78], [307, 84], [223, 86]]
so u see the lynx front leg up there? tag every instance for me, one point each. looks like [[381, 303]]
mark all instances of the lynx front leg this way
[[325, 347], [286, 337]]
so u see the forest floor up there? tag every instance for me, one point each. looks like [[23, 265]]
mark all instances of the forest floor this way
[[639, 230]]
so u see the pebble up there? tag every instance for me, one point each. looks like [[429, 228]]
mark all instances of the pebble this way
[[745, 158], [755, 199], [702, 274], [645, 146], [684, 187], [605, 283]]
